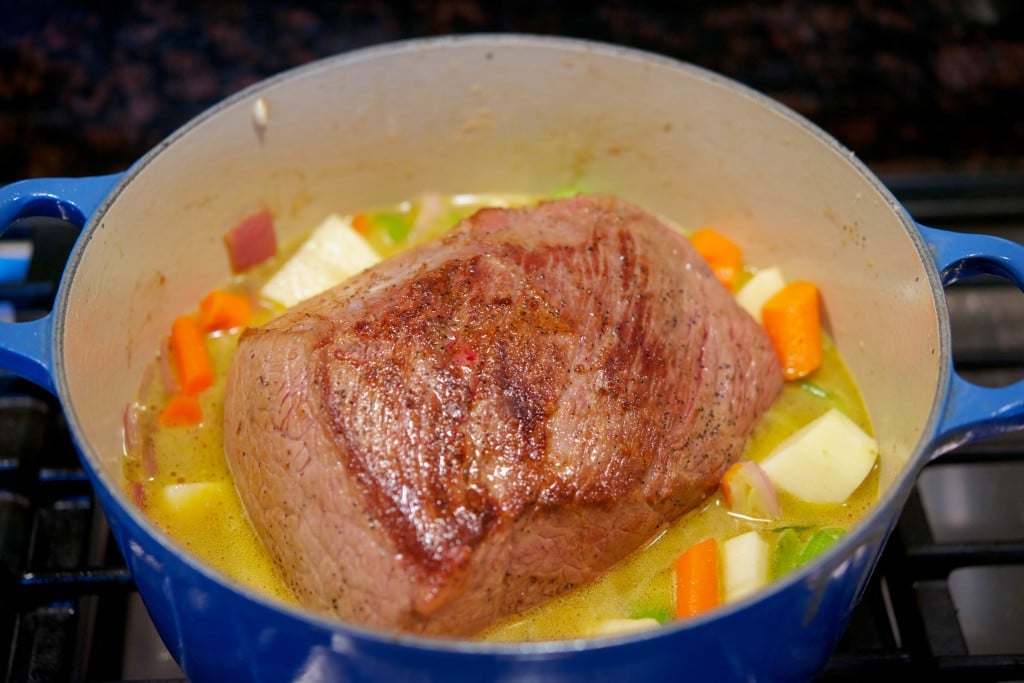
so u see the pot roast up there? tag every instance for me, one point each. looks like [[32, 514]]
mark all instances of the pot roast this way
[[484, 422]]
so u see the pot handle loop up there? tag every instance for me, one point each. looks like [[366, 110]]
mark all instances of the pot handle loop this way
[[26, 348], [972, 412]]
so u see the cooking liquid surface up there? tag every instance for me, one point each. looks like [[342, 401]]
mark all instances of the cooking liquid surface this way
[[180, 478]]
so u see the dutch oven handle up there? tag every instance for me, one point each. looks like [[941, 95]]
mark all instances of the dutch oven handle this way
[[972, 412], [26, 348]]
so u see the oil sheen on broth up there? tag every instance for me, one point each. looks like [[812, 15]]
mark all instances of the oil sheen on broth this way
[[179, 476]]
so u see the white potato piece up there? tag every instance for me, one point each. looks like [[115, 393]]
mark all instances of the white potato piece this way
[[824, 461], [180, 497], [196, 506], [333, 253], [615, 627], [758, 289], [744, 565]]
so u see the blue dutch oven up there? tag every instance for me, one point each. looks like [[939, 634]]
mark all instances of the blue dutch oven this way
[[518, 114]]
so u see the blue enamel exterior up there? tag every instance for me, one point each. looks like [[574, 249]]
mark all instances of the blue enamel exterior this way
[[974, 412], [26, 349], [217, 632]]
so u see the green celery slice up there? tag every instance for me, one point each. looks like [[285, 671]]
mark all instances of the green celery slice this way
[[660, 613], [820, 541], [395, 225], [787, 550], [815, 390]]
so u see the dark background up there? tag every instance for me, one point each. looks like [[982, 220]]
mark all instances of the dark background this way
[[87, 88]]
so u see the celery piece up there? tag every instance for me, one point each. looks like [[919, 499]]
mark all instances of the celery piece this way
[[395, 225], [834, 400], [567, 191], [815, 390], [820, 541], [787, 550], [660, 613]]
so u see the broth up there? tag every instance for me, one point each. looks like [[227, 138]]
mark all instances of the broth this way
[[179, 477]]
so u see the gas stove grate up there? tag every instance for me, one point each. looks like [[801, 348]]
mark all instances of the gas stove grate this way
[[69, 610]]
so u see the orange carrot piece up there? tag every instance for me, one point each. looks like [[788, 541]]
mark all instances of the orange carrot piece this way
[[729, 483], [221, 310], [721, 253], [191, 358], [792, 319], [361, 224], [181, 411], [697, 582]]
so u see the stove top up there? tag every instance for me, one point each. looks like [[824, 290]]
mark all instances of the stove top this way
[[946, 601]]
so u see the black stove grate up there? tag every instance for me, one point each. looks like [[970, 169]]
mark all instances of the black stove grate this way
[[69, 610]]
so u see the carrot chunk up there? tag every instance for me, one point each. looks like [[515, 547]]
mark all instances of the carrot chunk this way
[[792, 319], [191, 358], [361, 224], [721, 253], [181, 411], [697, 581], [221, 310]]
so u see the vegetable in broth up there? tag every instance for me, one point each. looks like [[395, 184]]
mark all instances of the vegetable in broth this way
[[760, 525]]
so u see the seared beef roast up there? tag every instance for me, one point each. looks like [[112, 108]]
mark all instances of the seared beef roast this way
[[486, 421]]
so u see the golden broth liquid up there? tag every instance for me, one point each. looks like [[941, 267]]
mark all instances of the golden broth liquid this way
[[179, 477]]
